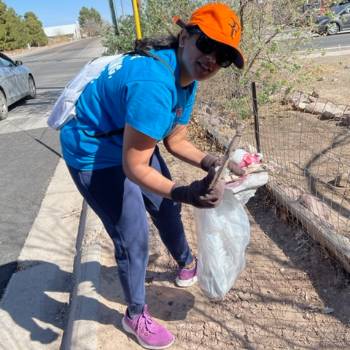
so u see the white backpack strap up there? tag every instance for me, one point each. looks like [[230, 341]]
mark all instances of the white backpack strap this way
[[64, 108]]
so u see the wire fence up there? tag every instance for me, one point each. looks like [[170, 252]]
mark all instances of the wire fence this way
[[305, 142]]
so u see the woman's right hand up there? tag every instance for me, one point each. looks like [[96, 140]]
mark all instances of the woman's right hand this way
[[198, 193], [210, 161]]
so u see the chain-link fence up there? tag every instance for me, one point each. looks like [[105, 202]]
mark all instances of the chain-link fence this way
[[306, 147]]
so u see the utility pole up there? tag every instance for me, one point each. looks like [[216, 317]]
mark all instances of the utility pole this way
[[114, 17], [135, 6]]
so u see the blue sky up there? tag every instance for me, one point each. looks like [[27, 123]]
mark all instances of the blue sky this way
[[59, 12]]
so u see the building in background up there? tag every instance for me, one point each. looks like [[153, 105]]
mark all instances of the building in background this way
[[68, 30]]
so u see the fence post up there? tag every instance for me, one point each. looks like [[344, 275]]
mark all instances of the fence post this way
[[256, 117]]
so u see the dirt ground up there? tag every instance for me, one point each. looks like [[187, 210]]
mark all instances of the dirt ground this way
[[291, 295], [53, 42], [330, 78]]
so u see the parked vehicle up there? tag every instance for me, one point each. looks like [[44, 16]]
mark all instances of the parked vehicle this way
[[336, 21], [312, 5], [311, 10], [344, 2], [16, 82]]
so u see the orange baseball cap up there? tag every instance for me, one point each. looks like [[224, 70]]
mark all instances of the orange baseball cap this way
[[220, 23]]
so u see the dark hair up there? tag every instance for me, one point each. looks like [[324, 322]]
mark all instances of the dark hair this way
[[160, 43]]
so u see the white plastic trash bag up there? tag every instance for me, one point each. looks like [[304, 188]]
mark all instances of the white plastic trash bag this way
[[64, 109], [223, 233], [245, 187]]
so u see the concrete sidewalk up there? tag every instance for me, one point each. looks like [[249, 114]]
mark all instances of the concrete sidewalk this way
[[34, 308]]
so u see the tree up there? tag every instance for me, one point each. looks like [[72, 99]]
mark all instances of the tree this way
[[3, 10], [37, 36], [156, 19], [270, 60], [17, 32], [270, 40], [90, 21], [13, 32]]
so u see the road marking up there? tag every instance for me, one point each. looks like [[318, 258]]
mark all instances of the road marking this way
[[8, 126], [31, 114]]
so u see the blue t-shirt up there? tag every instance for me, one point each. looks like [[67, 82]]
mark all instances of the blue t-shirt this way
[[138, 90]]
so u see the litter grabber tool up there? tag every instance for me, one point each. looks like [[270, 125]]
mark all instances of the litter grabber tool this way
[[231, 147]]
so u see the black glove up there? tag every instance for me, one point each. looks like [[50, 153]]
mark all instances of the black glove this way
[[198, 193], [212, 161]]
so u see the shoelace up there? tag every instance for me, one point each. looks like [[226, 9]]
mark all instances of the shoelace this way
[[145, 324]]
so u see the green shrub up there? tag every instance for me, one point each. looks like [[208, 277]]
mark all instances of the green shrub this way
[[270, 57]]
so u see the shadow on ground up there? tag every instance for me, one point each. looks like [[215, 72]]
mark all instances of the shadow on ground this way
[[36, 303], [43, 102], [330, 280], [6, 272]]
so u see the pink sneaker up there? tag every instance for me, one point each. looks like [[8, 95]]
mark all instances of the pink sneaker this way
[[187, 277], [149, 333]]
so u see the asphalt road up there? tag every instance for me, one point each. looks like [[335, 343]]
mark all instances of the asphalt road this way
[[339, 41], [29, 151], [307, 41]]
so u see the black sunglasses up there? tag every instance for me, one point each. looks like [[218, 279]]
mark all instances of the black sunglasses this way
[[223, 53]]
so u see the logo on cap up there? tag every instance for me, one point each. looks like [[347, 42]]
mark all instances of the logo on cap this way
[[234, 28]]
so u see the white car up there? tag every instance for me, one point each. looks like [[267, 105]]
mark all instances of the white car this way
[[16, 83]]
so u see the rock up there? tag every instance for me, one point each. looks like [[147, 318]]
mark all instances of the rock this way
[[311, 104], [328, 310], [208, 110], [315, 94], [247, 338], [243, 296], [316, 206], [344, 121], [341, 181], [326, 115], [307, 316]]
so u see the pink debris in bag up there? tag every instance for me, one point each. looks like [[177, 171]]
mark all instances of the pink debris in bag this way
[[250, 158], [244, 159]]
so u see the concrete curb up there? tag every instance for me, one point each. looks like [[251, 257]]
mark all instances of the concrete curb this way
[[81, 329]]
